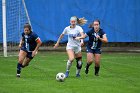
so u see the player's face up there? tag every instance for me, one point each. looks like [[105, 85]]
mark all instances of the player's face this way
[[73, 22], [96, 25], [26, 31]]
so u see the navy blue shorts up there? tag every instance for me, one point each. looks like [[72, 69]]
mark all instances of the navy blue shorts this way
[[29, 54], [94, 51]]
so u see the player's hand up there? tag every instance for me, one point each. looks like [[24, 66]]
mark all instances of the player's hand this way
[[56, 45], [77, 38], [98, 36]]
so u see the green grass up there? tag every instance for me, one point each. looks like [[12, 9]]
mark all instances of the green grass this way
[[120, 73]]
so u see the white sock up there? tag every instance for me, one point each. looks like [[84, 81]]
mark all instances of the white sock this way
[[69, 64]]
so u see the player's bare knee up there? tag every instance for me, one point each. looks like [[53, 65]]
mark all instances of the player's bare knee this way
[[71, 59], [20, 61], [90, 61]]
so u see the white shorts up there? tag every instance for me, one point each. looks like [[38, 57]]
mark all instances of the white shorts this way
[[76, 49]]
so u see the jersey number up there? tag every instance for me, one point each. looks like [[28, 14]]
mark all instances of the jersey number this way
[[26, 44], [94, 44]]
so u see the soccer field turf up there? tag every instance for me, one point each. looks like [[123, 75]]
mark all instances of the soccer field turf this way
[[119, 73]]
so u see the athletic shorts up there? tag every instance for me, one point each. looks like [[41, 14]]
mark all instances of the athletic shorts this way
[[76, 49], [29, 54], [94, 51]]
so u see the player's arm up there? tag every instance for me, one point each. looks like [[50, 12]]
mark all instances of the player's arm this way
[[104, 39], [82, 41], [58, 41], [82, 36], [39, 42], [21, 42]]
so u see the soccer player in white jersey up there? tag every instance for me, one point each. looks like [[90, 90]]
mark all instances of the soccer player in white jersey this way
[[73, 46]]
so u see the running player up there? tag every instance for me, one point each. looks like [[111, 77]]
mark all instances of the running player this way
[[73, 46], [29, 46], [96, 37]]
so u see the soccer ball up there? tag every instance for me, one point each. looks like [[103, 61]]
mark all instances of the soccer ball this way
[[60, 77]]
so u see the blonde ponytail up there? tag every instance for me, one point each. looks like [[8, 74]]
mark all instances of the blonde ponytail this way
[[81, 21]]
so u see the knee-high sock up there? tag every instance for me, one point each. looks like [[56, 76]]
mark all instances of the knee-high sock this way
[[87, 65], [69, 64], [19, 66], [97, 70], [79, 66]]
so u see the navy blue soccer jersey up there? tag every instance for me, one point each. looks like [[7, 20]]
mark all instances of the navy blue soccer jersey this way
[[30, 41], [93, 42]]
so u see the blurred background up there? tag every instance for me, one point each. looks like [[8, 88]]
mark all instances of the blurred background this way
[[120, 19]]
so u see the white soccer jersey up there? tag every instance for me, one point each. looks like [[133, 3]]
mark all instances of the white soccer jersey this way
[[72, 33]]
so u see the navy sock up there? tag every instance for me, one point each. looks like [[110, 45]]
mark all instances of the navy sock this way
[[87, 65], [19, 68], [97, 70]]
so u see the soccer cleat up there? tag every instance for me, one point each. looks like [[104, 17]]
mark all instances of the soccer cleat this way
[[77, 75], [67, 74], [96, 74], [86, 70], [18, 75]]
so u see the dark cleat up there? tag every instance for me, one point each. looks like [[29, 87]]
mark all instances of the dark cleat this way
[[18, 75], [96, 74]]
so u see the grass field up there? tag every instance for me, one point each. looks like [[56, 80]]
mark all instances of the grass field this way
[[120, 73]]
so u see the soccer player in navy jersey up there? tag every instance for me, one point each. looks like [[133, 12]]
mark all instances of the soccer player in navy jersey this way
[[96, 37], [29, 45]]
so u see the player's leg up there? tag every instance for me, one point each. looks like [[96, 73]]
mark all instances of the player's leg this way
[[22, 55], [97, 64], [78, 56], [26, 62], [70, 60], [89, 61], [27, 59]]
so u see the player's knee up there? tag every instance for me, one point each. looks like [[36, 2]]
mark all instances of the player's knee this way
[[90, 61], [24, 65], [71, 59], [20, 61]]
